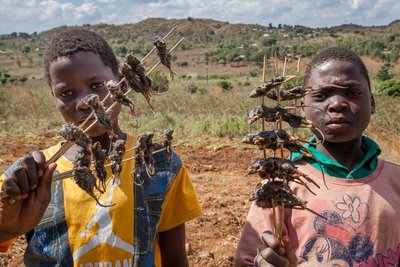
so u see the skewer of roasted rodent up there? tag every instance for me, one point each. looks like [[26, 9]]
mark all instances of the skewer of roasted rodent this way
[[168, 142], [144, 149], [123, 80], [117, 95], [276, 139], [137, 79], [274, 82], [277, 173], [116, 156], [82, 173], [93, 101], [269, 194], [289, 94], [283, 169], [163, 54], [273, 114]]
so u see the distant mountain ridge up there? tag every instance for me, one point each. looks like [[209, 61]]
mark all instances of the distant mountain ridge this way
[[208, 40], [198, 27]]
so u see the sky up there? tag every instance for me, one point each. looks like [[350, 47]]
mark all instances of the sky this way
[[35, 15]]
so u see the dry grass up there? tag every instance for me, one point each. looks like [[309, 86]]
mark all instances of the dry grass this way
[[28, 109]]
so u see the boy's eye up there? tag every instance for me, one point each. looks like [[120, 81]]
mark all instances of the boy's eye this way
[[318, 96], [66, 93], [354, 93], [97, 86]]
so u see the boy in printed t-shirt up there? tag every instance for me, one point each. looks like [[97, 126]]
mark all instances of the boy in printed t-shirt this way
[[136, 224], [362, 201]]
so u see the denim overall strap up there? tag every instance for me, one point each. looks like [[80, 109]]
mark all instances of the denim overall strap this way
[[48, 242], [149, 197]]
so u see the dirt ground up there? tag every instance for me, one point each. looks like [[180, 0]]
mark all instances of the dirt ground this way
[[222, 186]]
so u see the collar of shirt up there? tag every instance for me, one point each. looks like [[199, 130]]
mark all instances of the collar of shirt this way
[[333, 168]]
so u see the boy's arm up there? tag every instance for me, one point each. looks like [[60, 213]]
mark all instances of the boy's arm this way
[[180, 205], [27, 188], [172, 246], [254, 248]]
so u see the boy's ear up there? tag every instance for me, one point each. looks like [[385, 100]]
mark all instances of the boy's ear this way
[[372, 104]]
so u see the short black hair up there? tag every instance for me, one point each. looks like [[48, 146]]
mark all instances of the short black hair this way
[[338, 53], [68, 42]]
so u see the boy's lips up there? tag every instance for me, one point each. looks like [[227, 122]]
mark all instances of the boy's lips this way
[[337, 123], [337, 120]]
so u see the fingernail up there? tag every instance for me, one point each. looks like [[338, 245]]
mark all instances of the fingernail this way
[[40, 173], [11, 201], [33, 187]]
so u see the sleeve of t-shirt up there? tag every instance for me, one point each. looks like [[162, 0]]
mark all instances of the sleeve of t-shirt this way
[[4, 246], [180, 204], [258, 221]]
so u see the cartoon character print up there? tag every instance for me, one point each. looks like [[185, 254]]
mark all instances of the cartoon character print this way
[[338, 241]]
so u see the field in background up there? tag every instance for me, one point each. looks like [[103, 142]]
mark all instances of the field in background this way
[[194, 107]]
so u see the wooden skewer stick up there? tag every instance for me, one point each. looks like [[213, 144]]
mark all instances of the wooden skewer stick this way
[[263, 99], [281, 218], [67, 145]]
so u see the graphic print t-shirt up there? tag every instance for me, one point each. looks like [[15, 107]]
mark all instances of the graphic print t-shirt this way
[[102, 234], [361, 227]]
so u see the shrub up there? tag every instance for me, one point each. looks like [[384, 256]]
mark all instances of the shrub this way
[[160, 81], [253, 72], [390, 87], [384, 74], [182, 64], [224, 84], [23, 79], [191, 88], [201, 90], [246, 83]]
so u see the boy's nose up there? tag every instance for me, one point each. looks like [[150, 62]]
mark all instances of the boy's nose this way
[[81, 103], [337, 103]]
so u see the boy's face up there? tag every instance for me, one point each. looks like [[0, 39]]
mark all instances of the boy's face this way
[[342, 114], [74, 78]]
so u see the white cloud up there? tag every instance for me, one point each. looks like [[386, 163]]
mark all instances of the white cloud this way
[[39, 15]]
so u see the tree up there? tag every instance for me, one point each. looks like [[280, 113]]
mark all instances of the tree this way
[[269, 42]]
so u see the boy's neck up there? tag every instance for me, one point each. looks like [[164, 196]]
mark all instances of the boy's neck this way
[[349, 154]]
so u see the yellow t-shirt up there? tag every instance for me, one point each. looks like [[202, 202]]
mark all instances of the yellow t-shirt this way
[[103, 235]]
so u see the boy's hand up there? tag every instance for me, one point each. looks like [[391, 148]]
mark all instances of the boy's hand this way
[[274, 253], [28, 192]]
